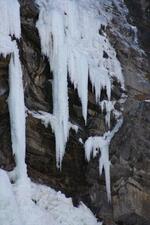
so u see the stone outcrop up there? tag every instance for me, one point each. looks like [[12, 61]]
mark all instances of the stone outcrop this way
[[129, 150]]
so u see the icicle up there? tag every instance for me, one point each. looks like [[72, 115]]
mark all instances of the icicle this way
[[109, 107], [17, 111], [53, 46], [70, 38], [69, 33], [81, 64], [105, 163], [10, 25], [92, 145]]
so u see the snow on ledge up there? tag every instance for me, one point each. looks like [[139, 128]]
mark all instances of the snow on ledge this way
[[27, 203]]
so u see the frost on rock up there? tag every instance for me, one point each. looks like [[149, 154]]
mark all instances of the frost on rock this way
[[10, 27], [70, 37], [49, 119]]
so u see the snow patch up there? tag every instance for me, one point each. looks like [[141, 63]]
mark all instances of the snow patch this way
[[27, 203], [8, 205]]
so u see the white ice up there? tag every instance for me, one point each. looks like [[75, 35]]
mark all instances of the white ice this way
[[17, 111], [100, 144], [10, 18], [108, 106], [96, 144], [75, 50], [10, 27], [69, 34]]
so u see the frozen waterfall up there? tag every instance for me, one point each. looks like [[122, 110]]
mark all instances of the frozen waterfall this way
[[71, 39]]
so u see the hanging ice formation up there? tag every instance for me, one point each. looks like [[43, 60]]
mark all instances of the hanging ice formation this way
[[72, 48], [23, 202], [70, 37], [10, 14], [101, 143]]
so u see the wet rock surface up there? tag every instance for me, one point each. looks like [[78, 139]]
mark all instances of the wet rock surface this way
[[130, 148]]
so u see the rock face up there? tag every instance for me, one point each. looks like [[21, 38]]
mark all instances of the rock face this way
[[129, 150]]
